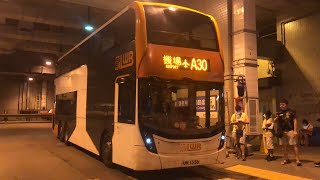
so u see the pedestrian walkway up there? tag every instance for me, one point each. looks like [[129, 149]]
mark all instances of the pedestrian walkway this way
[[256, 166], [261, 173]]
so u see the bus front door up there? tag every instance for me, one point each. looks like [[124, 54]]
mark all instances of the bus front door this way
[[124, 125]]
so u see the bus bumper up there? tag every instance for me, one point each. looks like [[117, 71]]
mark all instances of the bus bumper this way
[[148, 161], [189, 160]]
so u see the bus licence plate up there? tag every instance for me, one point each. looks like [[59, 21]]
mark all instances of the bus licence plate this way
[[190, 162]]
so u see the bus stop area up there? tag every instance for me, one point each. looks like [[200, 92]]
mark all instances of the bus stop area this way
[[31, 152]]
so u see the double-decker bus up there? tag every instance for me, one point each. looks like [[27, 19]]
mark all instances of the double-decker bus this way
[[145, 90]]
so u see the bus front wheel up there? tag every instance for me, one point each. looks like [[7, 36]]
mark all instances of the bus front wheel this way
[[60, 133], [106, 152]]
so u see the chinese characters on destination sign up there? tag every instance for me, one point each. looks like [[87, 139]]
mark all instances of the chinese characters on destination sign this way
[[185, 63]]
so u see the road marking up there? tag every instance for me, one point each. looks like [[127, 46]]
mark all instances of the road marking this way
[[261, 173]]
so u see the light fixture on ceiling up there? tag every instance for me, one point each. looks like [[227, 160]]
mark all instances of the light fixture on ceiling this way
[[88, 28], [30, 79], [48, 63]]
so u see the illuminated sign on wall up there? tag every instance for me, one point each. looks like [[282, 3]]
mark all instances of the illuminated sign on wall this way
[[186, 63]]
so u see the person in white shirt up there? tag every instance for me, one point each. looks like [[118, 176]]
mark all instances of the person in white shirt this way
[[305, 133], [239, 120], [267, 127]]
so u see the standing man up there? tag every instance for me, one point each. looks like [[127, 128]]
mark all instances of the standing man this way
[[288, 128], [239, 120]]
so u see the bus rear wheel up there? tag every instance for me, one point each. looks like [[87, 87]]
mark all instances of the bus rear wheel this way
[[66, 136], [60, 133], [106, 152]]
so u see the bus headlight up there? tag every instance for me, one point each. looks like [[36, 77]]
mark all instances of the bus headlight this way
[[223, 137], [149, 142]]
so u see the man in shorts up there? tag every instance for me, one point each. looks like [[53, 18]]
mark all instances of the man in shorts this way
[[288, 127], [239, 120]]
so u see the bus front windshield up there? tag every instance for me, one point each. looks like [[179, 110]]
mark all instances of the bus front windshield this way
[[180, 28], [179, 108]]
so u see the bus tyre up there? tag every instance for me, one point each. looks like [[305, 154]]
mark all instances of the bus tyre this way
[[66, 136], [61, 133], [106, 153]]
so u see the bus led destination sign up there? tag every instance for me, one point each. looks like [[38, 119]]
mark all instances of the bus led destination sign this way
[[186, 63]]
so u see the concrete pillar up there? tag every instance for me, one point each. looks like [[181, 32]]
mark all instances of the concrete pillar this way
[[245, 57], [275, 99], [28, 97], [228, 83], [44, 94]]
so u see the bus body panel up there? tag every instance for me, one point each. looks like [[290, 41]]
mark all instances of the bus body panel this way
[[125, 139], [76, 81]]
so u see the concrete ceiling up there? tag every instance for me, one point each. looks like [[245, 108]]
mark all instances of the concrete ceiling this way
[[53, 26], [49, 26], [267, 12]]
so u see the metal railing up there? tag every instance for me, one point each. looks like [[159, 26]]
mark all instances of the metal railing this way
[[26, 117]]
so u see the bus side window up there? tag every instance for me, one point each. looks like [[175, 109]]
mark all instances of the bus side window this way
[[126, 101]]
